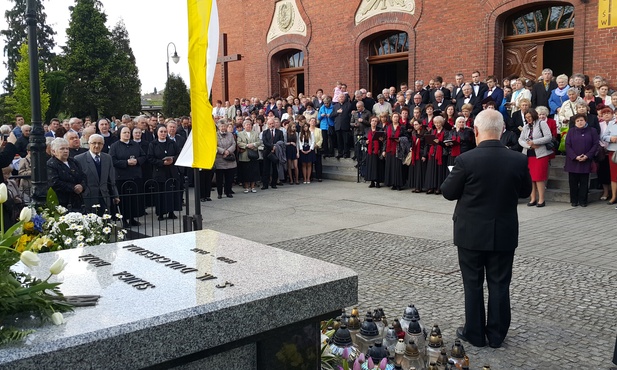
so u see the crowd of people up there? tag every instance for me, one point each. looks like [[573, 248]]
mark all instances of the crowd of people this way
[[406, 138], [118, 166], [403, 138]]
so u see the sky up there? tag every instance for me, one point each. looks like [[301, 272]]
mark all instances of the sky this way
[[151, 25]]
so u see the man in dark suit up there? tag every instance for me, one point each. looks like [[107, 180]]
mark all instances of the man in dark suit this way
[[100, 175], [75, 148], [424, 93], [438, 87], [440, 102], [416, 102], [541, 91], [479, 87], [270, 137], [458, 87], [494, 91], [487, 183], [469, 98], [341, 113]]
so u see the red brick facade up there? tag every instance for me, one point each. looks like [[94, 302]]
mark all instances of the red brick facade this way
[[441, 42]]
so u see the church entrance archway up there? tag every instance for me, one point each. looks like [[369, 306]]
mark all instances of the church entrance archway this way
[[290, 72], [538, 38], [388, 61]]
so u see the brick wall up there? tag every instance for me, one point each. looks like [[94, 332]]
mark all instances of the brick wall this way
[[441, 41]]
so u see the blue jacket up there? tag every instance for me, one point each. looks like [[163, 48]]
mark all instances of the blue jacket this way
[[325, 121], [555, 101]]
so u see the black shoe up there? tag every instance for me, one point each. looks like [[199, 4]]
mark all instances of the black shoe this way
[[161, 218], [273, 187], [264, 188], [494, 345], [574, 204], [339, 157], [172, 216], [531, 204], [461, 336], [208, 199], [393, 188], [583, 204], [346, 156], [353, 158], [372, 185], [202, 200], [219, 196], [377, 185], [540, 205], [229, 196], [125, 225], [134, 222], [232, 192]]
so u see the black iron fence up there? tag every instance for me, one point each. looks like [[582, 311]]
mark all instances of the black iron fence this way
[[145, 209]]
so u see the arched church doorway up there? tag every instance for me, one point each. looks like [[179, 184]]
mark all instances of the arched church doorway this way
[[388, 61], [291, 72], [538, 38]]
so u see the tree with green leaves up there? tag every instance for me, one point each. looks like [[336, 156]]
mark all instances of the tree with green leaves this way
[[124, 84], [55, 83], [176, 98], [18, 102], [17, 34], [87, 60]]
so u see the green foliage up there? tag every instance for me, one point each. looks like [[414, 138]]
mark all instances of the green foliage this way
[[55, 83], [52, 199], [176, 98], [19, 101], [16, 34], [21, 293], [86, 62], [124, 83]]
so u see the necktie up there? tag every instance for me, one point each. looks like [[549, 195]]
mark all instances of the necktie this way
[[97, 163]]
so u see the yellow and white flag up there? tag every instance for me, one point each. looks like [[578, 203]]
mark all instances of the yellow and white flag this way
[[203, 21]]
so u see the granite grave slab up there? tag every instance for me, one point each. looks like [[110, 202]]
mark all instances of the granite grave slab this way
[[186, 300]]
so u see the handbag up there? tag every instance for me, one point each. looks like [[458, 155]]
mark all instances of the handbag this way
[[273, 158], [230, 158], [253, 154], [614, 157], [554, 142], [306, 147]]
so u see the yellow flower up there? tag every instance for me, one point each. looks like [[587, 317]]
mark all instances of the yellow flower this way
[[22, 243], [41, 242], [29, 226]]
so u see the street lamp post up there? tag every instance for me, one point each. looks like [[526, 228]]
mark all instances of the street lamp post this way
[[174, 57], [37, 136]]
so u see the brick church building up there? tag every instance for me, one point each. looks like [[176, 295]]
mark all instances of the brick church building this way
[[293, 46]]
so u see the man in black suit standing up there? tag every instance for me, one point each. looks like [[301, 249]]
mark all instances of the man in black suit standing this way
[[494, 91], [469, 98], [101, 177], [541, 91], [458, 87], [439, 87], [341, 113], [270, 137], [479, 87], [440, 102], [487, 183]]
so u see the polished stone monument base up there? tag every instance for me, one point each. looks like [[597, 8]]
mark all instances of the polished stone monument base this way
[[193, 300]]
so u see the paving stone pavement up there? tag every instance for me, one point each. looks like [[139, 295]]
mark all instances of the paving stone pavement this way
[[564, 288]]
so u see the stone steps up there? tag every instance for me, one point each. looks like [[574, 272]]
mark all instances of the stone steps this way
[[340, 169]]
